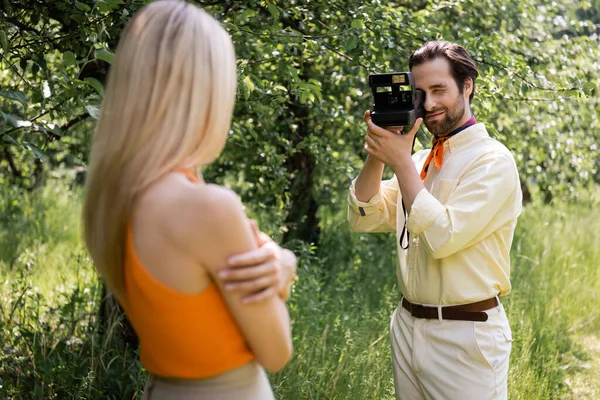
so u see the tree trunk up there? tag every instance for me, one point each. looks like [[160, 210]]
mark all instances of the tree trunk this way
[[302, 220], [526, 192]]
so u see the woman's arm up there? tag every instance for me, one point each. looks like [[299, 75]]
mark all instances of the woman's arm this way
[[263, 272], [218, 233]]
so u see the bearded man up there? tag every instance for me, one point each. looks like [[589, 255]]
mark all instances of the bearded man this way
[[454, 209]]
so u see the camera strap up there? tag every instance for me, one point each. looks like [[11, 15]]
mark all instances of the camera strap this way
[[404, 243], [405, 233]]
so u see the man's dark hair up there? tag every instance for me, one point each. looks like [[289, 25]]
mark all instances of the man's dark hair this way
[[462, 65]]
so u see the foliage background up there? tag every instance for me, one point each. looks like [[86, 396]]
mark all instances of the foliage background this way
[[294, 146], [296, 138]]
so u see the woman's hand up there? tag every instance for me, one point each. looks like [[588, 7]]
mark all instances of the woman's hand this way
[[261, 273]]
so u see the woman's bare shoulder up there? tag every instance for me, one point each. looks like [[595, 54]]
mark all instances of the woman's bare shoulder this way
[[187, 212]]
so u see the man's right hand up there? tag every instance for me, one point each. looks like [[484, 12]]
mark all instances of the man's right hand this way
[[389, 144]]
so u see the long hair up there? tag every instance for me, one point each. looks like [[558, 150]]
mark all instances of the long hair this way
[[168, 103], [462, 65]]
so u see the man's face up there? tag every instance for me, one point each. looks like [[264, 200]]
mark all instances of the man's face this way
[[444, 104]]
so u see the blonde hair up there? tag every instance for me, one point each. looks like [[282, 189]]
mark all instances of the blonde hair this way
[[168, 103]]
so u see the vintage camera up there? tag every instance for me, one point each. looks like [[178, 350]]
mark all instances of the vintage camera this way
[[397, 101]]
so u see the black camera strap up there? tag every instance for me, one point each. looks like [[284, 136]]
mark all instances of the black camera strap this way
[[405, 233]]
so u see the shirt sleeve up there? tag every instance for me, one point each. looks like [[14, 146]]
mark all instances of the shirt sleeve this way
[[478, 201], [379, 213]]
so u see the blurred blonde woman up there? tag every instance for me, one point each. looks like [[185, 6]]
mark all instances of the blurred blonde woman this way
[[204, 289]]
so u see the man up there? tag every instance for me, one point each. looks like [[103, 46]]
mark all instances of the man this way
[[459, 204]]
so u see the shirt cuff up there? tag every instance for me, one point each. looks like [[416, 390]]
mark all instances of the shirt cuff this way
[[424, 211], [361, 207]]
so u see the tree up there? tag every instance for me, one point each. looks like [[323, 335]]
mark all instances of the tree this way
[[296, 138]]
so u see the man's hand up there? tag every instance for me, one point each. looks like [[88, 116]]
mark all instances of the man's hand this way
[[388, 144], [261, 273]]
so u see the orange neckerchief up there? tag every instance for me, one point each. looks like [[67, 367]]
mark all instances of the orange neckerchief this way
[[436, 154], [437, 151]]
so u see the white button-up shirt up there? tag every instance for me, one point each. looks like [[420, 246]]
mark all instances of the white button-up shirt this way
[[461, 225]]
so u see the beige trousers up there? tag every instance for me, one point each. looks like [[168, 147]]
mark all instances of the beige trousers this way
[[248, 382], [450, 360]]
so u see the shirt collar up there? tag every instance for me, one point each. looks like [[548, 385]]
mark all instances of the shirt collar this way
[[466, 136]]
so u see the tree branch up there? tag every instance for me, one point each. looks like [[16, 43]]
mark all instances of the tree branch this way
[[211, 3], [300, 36], [75, 121], [295, 26], [524, 79], [11, 163], [347, 57], [16, 71], [50, 134], [23, 27], [46, 40]]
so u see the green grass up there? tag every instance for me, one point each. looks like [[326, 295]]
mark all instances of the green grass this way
[[52, 346]]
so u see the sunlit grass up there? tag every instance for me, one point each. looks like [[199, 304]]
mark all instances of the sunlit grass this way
[[347, 291]]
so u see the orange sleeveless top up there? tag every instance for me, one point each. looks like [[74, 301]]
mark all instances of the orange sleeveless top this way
[[181, 335]]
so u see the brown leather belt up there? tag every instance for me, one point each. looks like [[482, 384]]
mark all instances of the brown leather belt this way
[[463, 312]]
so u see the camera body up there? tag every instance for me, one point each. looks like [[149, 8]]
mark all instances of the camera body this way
[[397, 101]]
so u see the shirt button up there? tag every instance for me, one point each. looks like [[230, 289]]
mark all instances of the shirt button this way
[[415, 240]]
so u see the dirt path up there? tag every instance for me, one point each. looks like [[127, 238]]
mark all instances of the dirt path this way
[[584, 378]]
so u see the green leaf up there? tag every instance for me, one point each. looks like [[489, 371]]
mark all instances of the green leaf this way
[[93, 110], [8, 138], [4, 42], [351, 43], [82, 6], [108, 5], [247, 87], [248, 14], [357, 23], [23, 63], [14, 120], [96, 84], [105, 7], [56, 130], [14, 95], [69, 58], [37, 97], [589, 88], [245, 91], [274, 11], [79, 18], [40, 128], [249, 82], [35, 150], [105, 55], [304, 97], [230, 27]]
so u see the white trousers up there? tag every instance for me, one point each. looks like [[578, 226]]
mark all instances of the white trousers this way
[[450, 360]]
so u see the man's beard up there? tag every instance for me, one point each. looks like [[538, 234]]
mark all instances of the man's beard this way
[[451, 118]]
